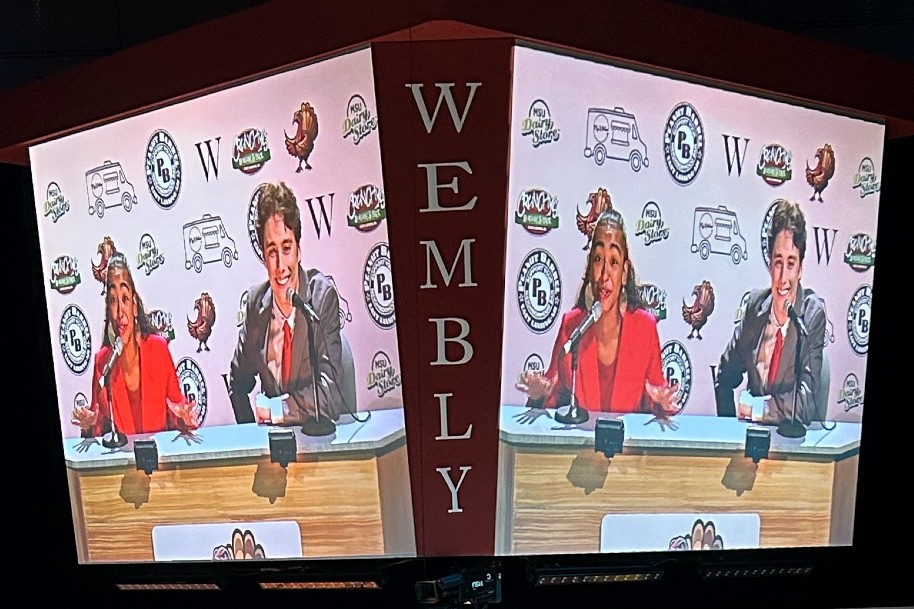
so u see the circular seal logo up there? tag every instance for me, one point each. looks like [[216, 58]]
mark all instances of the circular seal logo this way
[[677, 369], [193, 385], [766, 226], [539, 291], [75, 340], [378, 287], [683, 143], [858, 319], [252, 222], [163, 169]]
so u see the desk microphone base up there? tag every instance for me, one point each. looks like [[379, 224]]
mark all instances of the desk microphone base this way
[[114, 440], [574, 416], [791, 429], [318, 427]]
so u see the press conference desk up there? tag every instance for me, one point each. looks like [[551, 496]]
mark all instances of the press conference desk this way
[[349, 492], [554, 489]]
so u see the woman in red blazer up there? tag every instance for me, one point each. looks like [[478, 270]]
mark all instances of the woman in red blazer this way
[[619, 356], [144, 386]]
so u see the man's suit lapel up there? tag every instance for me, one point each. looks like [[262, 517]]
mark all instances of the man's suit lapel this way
[[756, 331], [300, 355], [269, 383]]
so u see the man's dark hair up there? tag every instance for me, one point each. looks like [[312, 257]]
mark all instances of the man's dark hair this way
[[278, 199], [788, 216]]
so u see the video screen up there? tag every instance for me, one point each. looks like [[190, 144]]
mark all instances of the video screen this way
[[220, 302], [690, 275]]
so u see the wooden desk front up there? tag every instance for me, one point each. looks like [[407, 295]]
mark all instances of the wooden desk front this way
[[554, 489], [349, 493]]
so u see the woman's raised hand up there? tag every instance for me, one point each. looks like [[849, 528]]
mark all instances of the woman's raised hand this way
[[535, 384], [84, 417], [187, 412], [664, 395]]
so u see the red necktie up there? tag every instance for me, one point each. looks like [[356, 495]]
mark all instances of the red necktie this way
[[775, 359], [286, 354]]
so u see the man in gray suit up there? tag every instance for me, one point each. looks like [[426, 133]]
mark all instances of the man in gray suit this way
[[763, 347], [273, 340]]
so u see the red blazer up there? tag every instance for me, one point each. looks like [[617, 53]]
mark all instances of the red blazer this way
[[158, 380], [638, 360]]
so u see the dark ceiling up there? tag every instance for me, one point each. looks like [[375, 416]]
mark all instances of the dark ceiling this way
[[40, 37]]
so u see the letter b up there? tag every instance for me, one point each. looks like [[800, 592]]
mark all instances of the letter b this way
[[442, 359]]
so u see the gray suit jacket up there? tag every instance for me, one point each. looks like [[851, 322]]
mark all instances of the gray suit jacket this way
[[250, 358], [740, 356]]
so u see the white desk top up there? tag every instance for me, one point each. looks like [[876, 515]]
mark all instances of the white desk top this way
[[384, 428], [693, 432]]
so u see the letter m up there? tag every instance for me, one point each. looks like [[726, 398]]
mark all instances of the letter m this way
[[431, 251], [447, 96]]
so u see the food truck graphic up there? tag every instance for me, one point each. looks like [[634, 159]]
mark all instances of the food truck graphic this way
[[205, 241], [715, 230], [107, 186], [614, 134]]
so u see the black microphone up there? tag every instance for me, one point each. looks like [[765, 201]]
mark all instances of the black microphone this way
[[302, 306], [595, 312], [116, 351], [792, 314]]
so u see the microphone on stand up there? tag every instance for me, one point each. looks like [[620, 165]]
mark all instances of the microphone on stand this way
[[578, 414], [116, 439], [302, 306], [117, 348], [317, 426], [795, 317], [592, 316]]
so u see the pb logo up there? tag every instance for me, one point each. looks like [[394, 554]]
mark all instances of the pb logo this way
[[539, 291], [193, 385], [378, 287], [683, 144], [163, 169], [858, 319], [677, 369], [75, 340]]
